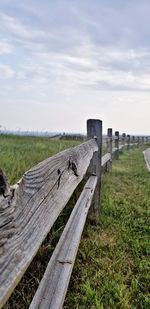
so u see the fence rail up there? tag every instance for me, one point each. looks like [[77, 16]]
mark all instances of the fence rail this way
[[27, 216]]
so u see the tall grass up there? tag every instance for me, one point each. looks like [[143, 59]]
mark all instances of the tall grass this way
[[18, 153], [112, 269]]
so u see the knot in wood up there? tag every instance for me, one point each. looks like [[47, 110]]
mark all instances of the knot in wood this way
[[73, 166]]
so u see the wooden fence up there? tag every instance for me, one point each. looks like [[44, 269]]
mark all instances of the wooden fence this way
[[28, 214]]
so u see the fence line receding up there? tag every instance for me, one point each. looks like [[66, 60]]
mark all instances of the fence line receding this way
[[27, 216]]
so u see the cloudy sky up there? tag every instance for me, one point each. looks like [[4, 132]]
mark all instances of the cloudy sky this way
[[64, 61]]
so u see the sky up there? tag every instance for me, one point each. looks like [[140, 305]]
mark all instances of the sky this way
[[65, 61]]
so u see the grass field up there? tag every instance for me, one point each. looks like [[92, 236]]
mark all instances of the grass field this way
[[112, 267], [18, 153]]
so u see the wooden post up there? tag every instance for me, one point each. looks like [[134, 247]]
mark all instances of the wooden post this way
[[117, 145], [128, 142], [123, 139], [138, 141], [94, 130], [142, 140], [109, 148], [133, 141]]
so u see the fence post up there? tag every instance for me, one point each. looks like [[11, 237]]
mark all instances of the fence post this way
[[128, 142], [123, 139], [109, 148], [94, 130], [117, 145], [138, 141], [133, 141]]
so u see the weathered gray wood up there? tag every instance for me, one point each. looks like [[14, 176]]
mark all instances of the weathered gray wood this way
[[40, 197], [109, 148], [128, 142], [121, 147], [94, 130], [113, 151], [105, 159], [117, 145], [133, 141], [123, 138], [53, 287]]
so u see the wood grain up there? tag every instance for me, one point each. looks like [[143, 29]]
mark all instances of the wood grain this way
[[105, 159], [109, 149], [40, 197], [54, 284], [116, 153], [94, 130]]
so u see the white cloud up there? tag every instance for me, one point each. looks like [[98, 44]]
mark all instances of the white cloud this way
[[12, 26], [5, 48], [97, 69], [6, 72]]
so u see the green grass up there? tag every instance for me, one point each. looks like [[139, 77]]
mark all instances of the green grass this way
[[112, 269], [18, 153], [112, 266]]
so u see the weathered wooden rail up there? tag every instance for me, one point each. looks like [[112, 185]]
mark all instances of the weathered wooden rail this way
[[27, 217]]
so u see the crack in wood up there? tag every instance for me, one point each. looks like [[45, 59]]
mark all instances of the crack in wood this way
[[73, 166], [64, 262]]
